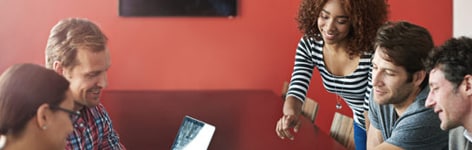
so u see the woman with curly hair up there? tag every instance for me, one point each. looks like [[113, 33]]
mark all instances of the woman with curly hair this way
[[338, 41]]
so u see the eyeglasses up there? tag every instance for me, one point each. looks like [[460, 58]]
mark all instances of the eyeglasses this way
[[72, 114]]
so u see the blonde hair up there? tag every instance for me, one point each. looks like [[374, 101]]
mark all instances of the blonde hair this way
[[69, 35]]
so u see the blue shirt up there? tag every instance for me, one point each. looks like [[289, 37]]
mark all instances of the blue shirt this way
[[417, 128]]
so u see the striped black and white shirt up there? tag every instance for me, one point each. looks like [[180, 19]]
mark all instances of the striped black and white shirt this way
[[353, 88]]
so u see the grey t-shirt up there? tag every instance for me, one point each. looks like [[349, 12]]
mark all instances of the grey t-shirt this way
[[418, 128], [457, 140]]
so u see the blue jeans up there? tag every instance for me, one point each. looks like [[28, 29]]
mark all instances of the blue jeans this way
[[360, 137]]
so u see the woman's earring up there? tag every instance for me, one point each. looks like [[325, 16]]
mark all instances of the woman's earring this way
[[45, 127]]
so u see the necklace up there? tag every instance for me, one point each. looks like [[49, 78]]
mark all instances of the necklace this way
[[338, 103], [337, 93], [340, 92]]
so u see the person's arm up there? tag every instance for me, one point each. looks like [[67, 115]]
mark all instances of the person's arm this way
[[291, 112], [367, 121], [110, 138], [374, 137], [302, 69], [375, 140], [299, 83], [386, 146]]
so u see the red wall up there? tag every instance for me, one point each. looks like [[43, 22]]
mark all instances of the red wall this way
[[254, 50], [249, 51]]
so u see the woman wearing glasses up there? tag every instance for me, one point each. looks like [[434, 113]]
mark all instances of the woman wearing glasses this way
[[35, 109]]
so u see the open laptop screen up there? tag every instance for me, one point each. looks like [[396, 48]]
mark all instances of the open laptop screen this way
[[193, 134]]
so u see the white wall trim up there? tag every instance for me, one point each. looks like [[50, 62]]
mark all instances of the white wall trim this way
[[462, 18]]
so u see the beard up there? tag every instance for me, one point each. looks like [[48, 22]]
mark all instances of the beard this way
[[398, 96], [402, 94]]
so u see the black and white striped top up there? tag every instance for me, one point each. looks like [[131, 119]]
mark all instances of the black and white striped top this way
[[353, 88]]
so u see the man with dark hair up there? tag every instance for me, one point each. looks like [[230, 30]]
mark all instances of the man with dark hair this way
[[397, 114], [450, 67], [76, 49]]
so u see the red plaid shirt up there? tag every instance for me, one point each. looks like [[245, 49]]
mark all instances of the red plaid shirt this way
[[93, 130]]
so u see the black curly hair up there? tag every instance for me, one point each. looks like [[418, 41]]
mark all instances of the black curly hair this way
[[366, 17], [454, 58]]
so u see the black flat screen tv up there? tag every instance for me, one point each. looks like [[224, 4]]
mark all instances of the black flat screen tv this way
[[202, 8]]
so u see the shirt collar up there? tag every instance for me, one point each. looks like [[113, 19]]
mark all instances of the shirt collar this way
[[467, 135]]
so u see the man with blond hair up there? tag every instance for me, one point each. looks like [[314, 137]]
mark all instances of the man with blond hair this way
[[77, 49]]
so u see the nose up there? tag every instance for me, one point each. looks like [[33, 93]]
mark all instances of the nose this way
[[102, 80], [376, 78], [430, 102], [330, 25]]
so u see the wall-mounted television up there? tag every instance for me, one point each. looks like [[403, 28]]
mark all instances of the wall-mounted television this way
[[202, 8]]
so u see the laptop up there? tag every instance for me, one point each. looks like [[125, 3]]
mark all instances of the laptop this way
[[193, 134]]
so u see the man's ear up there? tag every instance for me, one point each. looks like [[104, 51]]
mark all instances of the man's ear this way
[[57, 66], [42, 116], [418, 77], [468, 84]]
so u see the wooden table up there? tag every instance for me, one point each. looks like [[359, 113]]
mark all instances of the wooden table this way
[[244, 119]]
